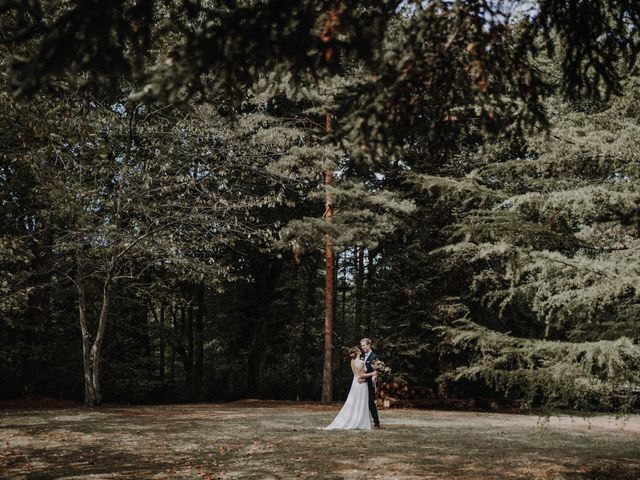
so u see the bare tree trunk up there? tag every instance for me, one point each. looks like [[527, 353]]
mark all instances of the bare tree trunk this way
[[162, 344], [182, 349], [308, 311], [199, 339], [266, 275], [89, 395], [327, 375], [174, 324], [259, 356], [97, 343], [145, 340], [160, 321], [91, 356], [343, 314], [190, 348], [172, 366], [371, 271], [359, 280], [37, 318]]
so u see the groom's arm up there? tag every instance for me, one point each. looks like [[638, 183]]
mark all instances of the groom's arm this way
[[372, 358]]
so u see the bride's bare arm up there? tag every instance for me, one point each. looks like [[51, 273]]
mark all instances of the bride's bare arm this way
[[363, 375]]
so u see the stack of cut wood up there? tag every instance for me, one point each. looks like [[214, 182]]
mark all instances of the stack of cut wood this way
[[399, 394]]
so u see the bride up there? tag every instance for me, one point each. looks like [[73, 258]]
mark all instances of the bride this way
[[355, 411]]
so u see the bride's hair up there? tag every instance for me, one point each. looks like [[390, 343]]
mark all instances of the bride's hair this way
[[354, 352]]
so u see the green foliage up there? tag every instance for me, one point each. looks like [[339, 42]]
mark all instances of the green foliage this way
[[424, 64], [581, 376], [482, 170]]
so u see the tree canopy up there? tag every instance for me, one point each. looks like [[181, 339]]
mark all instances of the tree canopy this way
[[166, 167]]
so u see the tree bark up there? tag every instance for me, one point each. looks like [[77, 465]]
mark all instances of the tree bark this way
[[91, 355], [359, 280], [371, 272], [89, 395], [343, 310], [38, 301], [96, 348], [145, 339], [327, 374], [182, 349], [199, 340], [266, 275], [162, 344], [308, 312], [172, 366]]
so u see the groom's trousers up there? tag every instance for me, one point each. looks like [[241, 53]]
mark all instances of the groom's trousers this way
[[372, 403]]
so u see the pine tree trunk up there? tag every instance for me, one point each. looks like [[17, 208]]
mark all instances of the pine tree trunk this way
[[347, 325], [259, 357], [359, 280], [172, 366], [307, 314], [371, 271], [190, 350], [162, 344], [327, 375], [145, 340], [186, 347], [199, 339], [265, 275]]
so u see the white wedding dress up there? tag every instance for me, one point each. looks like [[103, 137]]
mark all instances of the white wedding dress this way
[[355, 411]]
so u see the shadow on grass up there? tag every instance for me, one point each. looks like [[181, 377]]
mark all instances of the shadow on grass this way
[[216, 441], [82, 463], [607, 473]]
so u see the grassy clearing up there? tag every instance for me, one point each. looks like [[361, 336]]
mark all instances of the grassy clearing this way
[[260, 440]]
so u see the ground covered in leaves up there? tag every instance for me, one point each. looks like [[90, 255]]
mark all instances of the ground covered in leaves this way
[[262, 440]]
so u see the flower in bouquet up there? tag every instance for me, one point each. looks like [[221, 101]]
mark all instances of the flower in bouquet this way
[[379, 366]]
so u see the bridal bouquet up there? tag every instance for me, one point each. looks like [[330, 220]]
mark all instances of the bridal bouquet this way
[[383, 371]]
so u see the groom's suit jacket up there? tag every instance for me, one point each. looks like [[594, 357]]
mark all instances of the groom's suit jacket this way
[[368, 368]]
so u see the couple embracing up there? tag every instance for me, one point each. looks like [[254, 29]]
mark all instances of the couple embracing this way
[[361, 399]]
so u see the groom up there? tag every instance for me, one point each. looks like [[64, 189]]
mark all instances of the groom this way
[[369, 357]]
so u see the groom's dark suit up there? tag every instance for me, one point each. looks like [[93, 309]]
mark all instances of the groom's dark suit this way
[[372, 390]]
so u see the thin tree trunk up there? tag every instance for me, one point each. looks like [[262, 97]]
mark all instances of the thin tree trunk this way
[[172, 367], [307, 314], [162, 344], [91, 356], [359, 280], [259, 355], [183, 353], [371, 271], [38, 309], [199, 339], [266, 275], [190, 347], [96, 348], [145, 340], [89, 395], [327, 375], [347, 324]]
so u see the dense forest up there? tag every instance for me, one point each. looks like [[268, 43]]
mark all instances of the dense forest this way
[[204, 201]]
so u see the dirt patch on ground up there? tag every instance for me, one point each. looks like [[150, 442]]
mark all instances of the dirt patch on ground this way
[[260, 440]]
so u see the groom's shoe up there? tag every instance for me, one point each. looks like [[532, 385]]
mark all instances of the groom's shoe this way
[[376, 427]]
